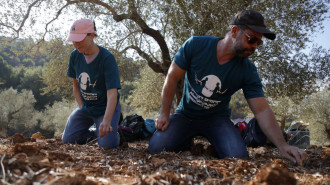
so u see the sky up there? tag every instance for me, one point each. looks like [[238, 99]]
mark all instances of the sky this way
[[323, 39]]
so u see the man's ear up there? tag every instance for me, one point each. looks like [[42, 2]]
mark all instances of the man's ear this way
[[234, 31]]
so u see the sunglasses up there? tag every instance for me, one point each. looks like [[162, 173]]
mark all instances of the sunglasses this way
[[252, 39]]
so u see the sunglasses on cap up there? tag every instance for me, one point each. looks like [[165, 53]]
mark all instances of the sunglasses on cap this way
[[253, 39]]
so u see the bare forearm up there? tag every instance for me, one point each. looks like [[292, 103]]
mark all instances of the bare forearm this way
[[111, 105], [270, 127], [167, 96], [77, 95], [105, 126], [175, 73]]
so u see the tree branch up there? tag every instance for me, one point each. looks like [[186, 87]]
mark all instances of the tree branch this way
[[155, 66], [153, 33], [185, 13], [56, 17], [128, 35], [26, 16]]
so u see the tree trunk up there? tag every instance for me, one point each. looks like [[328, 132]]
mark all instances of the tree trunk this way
[[179, 91], [282, 122]]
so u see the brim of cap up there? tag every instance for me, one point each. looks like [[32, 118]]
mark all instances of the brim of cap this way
[[267, 33], [76, 37]]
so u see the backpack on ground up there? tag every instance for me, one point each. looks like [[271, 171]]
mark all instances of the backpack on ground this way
[[253, 135], [134, 128]]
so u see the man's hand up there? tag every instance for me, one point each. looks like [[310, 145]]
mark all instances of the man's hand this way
[[104, 129], [293, 153], [162, 122]]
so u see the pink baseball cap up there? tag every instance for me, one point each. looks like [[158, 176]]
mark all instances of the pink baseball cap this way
[[79, 30]]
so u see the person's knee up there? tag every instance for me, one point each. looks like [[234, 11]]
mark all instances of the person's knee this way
[[154, 147], [74, 139], [68, 140], [155, 150], [65, 138], [113, 144], [151, 147], [109, 141]]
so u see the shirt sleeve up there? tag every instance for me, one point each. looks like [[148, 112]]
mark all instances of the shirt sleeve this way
[[111, 73], [70, 71], [252, 86], [184, 55]]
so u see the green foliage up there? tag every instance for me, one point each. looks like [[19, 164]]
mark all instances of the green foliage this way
[[32, 80], [5, 72], [15, 77], [284, 109], [53, 118], [296, 77], [199, 17], [25, 78], [126, 90], [129, 69], [54, 73], [319, 135], [22, 52], [25, 69], [147, 95], [16, 110], [315, 110]]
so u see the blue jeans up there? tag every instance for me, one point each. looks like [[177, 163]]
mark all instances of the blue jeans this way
[[220, 131], [78, 124]]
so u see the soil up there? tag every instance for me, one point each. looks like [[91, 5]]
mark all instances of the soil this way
[[36, 160]]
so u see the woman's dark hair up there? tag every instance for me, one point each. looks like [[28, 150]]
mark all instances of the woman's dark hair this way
[[94, 26]]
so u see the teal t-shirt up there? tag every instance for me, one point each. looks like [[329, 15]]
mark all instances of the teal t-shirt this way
[[94, 79], [208, 86]]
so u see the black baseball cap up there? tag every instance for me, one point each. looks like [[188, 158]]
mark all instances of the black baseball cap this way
[[253, 20]]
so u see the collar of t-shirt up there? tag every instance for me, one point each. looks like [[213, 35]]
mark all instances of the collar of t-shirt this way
[[89, 58]]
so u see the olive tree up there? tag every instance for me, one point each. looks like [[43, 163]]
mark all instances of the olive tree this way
[[54, 117], [16, 111], [315, 110], [147, 95], [285, 109]]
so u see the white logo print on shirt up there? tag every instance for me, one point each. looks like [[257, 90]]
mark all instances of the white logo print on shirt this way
[[86, 86], [211, 84]]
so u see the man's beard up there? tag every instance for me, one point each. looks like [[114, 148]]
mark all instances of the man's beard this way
[[242, 52]]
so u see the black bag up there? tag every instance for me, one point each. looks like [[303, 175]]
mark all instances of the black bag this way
[[133, 128], [253, 135]]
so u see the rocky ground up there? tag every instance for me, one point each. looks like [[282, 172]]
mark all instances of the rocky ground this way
[[37, 161]]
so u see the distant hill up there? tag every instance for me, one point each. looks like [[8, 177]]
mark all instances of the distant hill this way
[[21, 53]]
